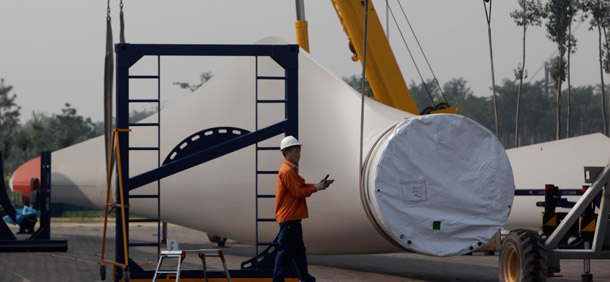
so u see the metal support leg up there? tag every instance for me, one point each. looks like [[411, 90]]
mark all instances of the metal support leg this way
[[224, 264], [164, 232], [600, 230], [221, 255], [205, 269], [598, 249], [587, 276]]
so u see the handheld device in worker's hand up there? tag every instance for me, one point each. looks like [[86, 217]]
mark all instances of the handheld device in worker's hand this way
[[328, 182], [324, 183]]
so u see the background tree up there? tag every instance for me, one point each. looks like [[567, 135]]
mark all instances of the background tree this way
[[573, 9], [456, 90], [50, 133], [487, 6], [506, 100], [355, 81], [34, 136], [9, 119], [461, 96], [531, 14], [538, 114], [598, 11], [203, 78], [605, 23], [558, 75], [71, 128], [537, 108], [425, 94], [586, 103], [559, 18], [138, 115]]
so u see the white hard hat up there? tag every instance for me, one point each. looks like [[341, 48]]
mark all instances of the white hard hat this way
[[289, 141]]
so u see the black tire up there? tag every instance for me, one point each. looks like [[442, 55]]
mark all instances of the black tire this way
[[523, 257]]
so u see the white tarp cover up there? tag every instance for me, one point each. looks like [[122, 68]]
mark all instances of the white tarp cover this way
[[444, 185]]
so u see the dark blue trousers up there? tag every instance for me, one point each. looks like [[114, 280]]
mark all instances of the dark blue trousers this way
[[291, 251]]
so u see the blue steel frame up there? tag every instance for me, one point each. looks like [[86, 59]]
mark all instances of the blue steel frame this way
[[45, 190], [40, 241], [127, 55]]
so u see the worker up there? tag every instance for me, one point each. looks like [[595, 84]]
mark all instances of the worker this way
[[290, 208]]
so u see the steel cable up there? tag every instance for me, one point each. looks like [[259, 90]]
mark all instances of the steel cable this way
[[366, 17], [412, 58], [491, 57], [422, 51]]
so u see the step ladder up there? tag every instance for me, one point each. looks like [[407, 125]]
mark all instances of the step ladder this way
[[259, 172], [181, 254]]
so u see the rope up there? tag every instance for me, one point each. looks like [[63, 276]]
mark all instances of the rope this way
[[139, 262], [74, 258], [521, 74], [412, 58], [422, 51], [491, 56], [366, 18]]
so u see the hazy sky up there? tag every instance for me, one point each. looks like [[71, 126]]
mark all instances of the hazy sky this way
[[52, 52]]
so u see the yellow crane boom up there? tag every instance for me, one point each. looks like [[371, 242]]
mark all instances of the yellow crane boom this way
[[382, 70]]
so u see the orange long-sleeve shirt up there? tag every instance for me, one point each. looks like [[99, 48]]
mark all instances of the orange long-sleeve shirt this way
[[291, 192]]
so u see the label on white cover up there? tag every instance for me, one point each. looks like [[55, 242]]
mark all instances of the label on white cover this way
[[414, 191]]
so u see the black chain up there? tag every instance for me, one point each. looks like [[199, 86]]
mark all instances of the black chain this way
[[108, 11], [121, 5]]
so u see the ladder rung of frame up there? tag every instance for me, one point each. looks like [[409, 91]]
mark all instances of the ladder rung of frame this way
[[144, 77], [267, 171], [144, 101], [271, 77], [271, 101], [144, 124], [149, 196], [268, 148], [144, 148], [265, 219], [268, 243], [144, 220], [143, 244]]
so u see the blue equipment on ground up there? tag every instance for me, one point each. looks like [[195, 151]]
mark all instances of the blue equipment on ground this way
[[22, 214]]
